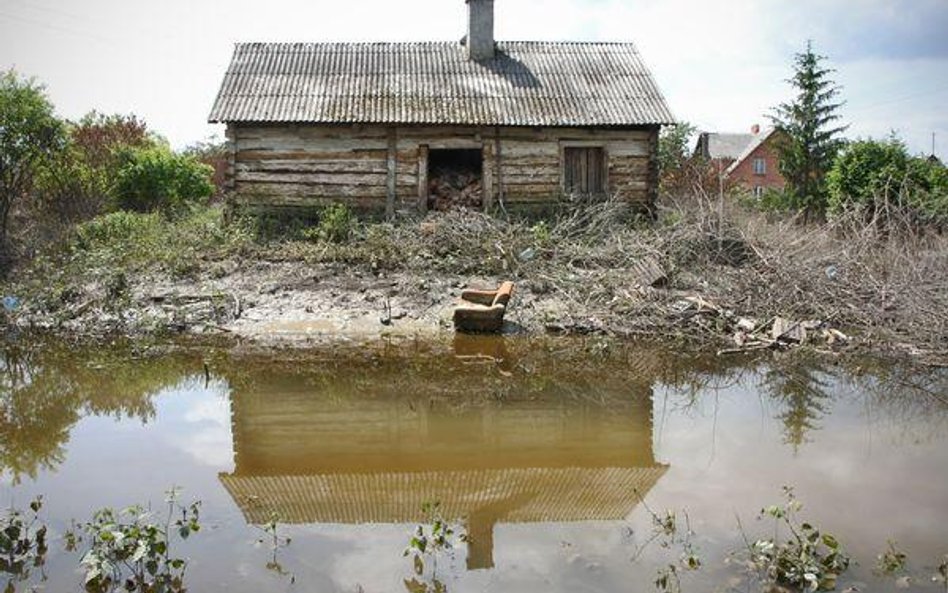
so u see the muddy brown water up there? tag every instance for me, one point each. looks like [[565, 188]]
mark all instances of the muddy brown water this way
[[541, 451]]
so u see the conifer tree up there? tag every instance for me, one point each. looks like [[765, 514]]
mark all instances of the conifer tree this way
[[810, 136]]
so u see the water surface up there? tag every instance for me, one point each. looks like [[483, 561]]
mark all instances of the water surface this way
[[548, 454]]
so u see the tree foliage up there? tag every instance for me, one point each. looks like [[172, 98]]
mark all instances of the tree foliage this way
[[674, 147], [30, 135], [811, 136], [881, 174], [155, 178], [680, 171], [77, 185]]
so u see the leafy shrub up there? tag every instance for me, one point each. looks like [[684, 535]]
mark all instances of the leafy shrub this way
[[23, 543], [874, 174], [335, 223], [155, 179], [867, 169], [78, 183], [541, 233], [131, 549], [115, 228], [807, 560], [135, 239]]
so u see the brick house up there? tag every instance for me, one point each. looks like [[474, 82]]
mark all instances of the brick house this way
[[745, 160], [757, 168]]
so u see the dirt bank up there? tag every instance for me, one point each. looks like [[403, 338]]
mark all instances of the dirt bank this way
[[293, 302]]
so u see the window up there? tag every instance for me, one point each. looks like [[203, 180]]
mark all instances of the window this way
[[584, 170], [760, 166], [758, 192]]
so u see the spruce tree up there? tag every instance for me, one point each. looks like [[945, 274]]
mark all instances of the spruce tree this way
[[808, 139]]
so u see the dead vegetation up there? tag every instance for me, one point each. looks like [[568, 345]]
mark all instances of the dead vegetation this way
[[707, 271]]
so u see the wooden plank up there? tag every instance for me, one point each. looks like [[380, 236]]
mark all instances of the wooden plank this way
[[518, 176], [629, 149], [317, 178], [540, 188], [499, 169], [310, 131], [310, 154], [231, 135], [295, 144], [423, 178], [264, 202], [487, 166], [310, 190], [392, 173], [313, 166]]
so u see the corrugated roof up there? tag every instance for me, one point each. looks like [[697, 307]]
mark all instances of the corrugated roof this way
[[726, 146], [526, 84], [542, 494]]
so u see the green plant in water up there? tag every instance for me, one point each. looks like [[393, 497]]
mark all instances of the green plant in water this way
[[807, 560], [667, 528], [891, 561], [23, 544], [429, 540], [129, 550], [276, 542]]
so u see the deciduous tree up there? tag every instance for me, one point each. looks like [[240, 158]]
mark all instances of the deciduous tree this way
[[30, 134]]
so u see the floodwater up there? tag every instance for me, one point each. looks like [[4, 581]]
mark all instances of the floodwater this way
[[548, 454]]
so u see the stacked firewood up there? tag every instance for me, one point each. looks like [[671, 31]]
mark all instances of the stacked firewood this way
[[448, 190]]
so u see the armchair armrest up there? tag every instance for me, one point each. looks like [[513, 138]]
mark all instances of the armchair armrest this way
[[480, 297]]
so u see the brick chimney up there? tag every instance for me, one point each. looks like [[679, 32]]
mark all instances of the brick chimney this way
[[480, 29], [755, 129]]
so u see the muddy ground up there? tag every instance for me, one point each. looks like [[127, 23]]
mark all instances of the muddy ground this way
[[280, 302]]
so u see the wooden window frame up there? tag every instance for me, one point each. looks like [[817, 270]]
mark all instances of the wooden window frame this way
[[762, 170], [565, 144]]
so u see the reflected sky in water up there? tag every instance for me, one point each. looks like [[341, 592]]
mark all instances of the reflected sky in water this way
[[540, 449]]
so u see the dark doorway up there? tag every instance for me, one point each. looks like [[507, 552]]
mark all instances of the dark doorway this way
[[584, 170], [455, 178]]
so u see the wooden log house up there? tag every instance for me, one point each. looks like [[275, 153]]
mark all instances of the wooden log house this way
[[373, 125]]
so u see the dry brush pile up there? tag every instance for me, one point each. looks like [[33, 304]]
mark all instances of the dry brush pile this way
[[707, 269]]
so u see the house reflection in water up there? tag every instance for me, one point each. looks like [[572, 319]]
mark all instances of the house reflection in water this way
[[308, 451]]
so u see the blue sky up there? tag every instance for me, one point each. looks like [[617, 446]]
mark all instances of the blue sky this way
[[721, 65]]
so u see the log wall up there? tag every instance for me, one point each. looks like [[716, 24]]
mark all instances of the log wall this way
[[384, 169]]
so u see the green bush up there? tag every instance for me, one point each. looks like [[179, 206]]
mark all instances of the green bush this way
[[335, 223], [136, 239], [78, 184], [155, 179], [116, 228], [873, 172], [867, 170]]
